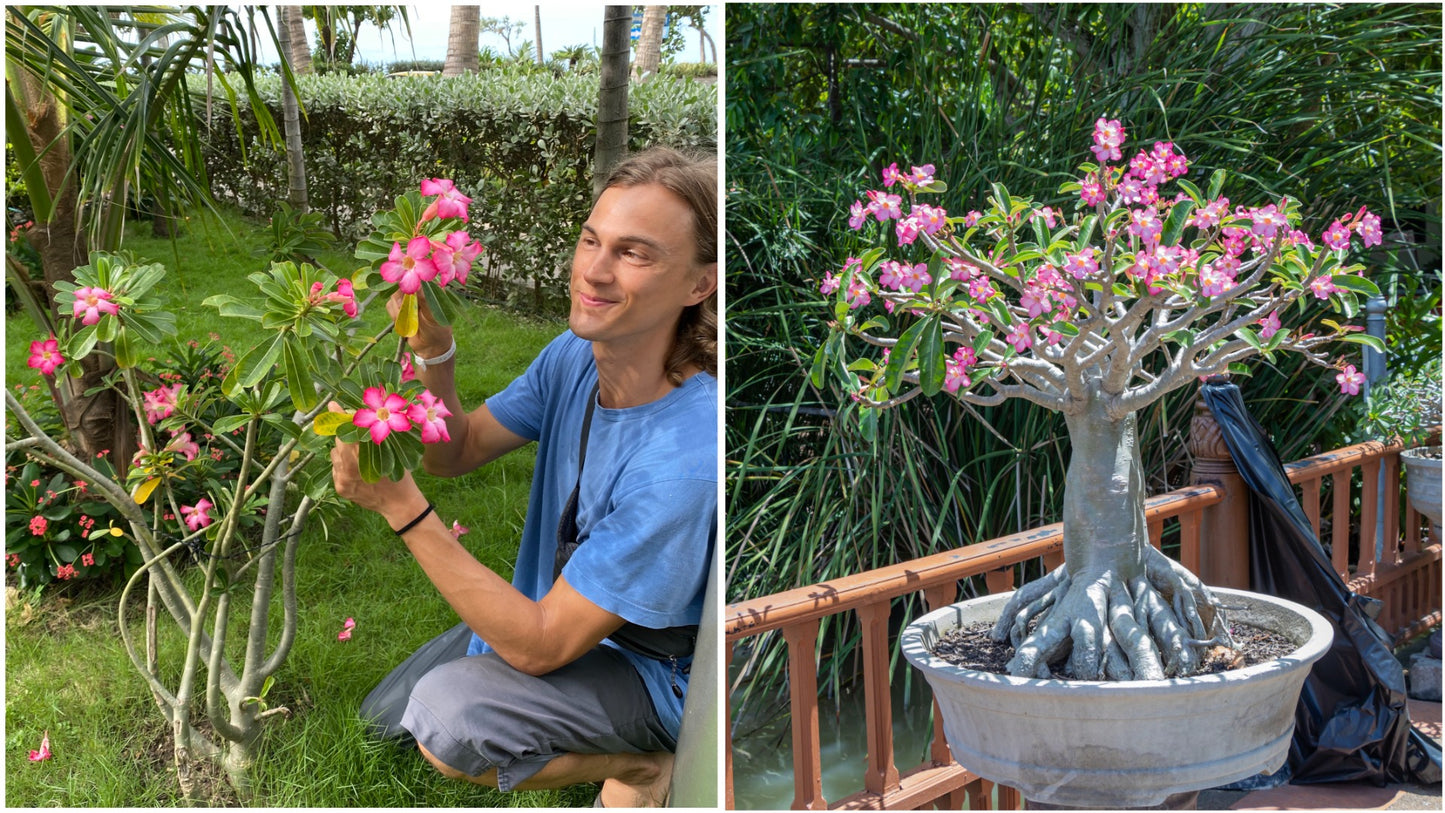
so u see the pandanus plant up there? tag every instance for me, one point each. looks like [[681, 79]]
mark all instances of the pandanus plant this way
[[1094, 316], [275, 420]]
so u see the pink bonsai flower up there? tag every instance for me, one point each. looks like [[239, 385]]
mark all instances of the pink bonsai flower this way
[[387, 413], [454, 257], [858, 295], [161, 402], [411, 268], [1350, 380], [1108, 136], [921, 176], [182, 444], [458, 529], [1269, 325], [830, 284], [90, 303], [857, 215], [1337, 236], [451, 203], [430, 414], [1369, 227], [1323, 287], [891, 174], [45, 356], [197, 516], [345, 634], [345, 293]]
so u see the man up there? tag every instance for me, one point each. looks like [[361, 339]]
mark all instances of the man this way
[[542, 700]]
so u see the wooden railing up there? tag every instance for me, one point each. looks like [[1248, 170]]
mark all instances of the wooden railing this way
[[1407, 578]]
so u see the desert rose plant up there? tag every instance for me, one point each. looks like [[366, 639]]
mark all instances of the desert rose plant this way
[[241, 524], [1095, 315]]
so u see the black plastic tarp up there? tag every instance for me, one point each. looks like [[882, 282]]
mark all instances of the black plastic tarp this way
[[1351, 723]]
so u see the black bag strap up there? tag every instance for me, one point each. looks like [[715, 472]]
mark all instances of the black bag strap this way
[[659, 644]]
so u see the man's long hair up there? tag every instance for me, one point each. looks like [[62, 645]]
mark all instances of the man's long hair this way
[[694, 180]]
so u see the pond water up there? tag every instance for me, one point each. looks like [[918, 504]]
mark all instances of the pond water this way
[[763, 754]]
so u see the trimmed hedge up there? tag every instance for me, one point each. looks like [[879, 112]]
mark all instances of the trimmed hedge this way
[[520, 145]]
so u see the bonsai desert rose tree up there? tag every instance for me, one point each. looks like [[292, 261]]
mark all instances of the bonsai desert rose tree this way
[[1094, 316], [246, 529]]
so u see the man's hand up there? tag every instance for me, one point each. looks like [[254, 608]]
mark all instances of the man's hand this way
[[398, 501], [431, 339]]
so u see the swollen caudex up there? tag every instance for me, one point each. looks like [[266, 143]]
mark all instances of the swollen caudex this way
[[1099, 627]]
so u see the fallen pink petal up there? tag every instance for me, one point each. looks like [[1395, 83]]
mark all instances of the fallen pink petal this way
[[458, 529], [345, 634], [44, 752]]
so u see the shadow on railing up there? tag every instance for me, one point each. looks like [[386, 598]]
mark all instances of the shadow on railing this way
[[1406, 577]]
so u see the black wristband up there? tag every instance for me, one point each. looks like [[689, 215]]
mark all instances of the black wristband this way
[[419, 518]]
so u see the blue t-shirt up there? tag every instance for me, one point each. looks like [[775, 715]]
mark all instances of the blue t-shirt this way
[[647, 509]]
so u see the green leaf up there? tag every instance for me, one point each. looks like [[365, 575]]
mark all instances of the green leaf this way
[[81, 343], [368, 460], [1363, 338], [257, 363], [900, 355], [125, 353], [1174, 226], [1216, 183], [820, 364], [229, 424], [868, 423], [1192, 191], [298, 378], [931, 363], [1359, 285], [230, 306]]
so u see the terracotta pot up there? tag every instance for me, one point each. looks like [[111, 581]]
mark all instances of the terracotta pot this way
[[1121, 744]]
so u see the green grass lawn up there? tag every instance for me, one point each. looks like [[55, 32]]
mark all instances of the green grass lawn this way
[[67, 673]]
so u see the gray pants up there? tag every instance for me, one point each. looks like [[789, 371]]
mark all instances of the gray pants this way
[[478, 713]]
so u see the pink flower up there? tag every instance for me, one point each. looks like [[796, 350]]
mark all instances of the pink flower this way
[[955, 377], [915, 277], [38, 524], [182, 444], [930, 218], [345, 293], [890, 274], [65, 572], [45, 356], [345, 634], [452, 203], [1350, 380], [858, 295], [1323, 287], [1337, 236], [1369, 228], [197, 516], [885, 206], [971, 219], [922, 176], [1269, 325], [1146, 225], [44, 752], [1108, 135], [1018, 336], [407, 371], [458, 529], [980, 288], [1049, 215], [907, 229], [960, 270], [387, 414], [87, 559], [453, 258], [1091, 193], [13, 559], [891, 174], [90, 303], [830, 284], [430, 413], [1083, 264], [161, 402], [857, 215], [1267, 220], [410, 269]]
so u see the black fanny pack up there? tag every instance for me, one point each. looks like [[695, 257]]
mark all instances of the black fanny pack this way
[[659, 644]]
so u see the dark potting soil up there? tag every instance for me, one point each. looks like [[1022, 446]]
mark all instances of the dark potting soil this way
[[971, 647]]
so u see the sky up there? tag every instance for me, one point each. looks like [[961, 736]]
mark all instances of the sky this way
[[563, 24]]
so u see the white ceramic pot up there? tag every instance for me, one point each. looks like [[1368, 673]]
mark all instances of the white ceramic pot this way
[[1422, 484], [1121, 744]]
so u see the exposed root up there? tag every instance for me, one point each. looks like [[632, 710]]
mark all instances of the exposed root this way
[[1102, 627]]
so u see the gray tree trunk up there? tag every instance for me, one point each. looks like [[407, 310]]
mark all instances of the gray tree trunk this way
[[649, 42], [612, 96], [462, 36], [294, 18], [296, 192], [537, 14]]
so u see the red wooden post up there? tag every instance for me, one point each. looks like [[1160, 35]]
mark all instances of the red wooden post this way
[[807, 758], [1223, 528], [882, 775]]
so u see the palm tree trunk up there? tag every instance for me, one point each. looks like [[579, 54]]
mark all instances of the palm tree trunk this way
[[296, 193], [462, 36], [294, 19], [612, 97], [537, 15], [649, 42]]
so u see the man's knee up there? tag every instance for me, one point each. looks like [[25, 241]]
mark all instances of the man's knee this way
[[488, 778]]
